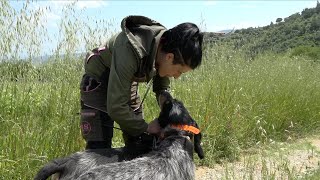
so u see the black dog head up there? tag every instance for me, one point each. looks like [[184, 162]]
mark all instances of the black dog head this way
[[174, 114]]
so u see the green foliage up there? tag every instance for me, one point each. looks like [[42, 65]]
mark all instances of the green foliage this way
[[296, 30], [292, 18], [278, 20], [310, 52], [237, 103], [242, 103], [15, 70], [312, 176], [39, 119]]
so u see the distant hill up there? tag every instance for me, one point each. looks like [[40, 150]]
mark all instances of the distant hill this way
[[299, 29], [45, 58], [62, 56], [225, 31]]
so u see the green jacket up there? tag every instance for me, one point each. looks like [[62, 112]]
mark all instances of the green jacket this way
[[138, 42]]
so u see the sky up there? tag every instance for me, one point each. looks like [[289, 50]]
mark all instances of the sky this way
[[213, 15]]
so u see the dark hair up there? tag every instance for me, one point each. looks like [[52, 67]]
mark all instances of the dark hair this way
[[185, 42]]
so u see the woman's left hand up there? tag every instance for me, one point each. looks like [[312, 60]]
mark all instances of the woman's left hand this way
[[154, 127]]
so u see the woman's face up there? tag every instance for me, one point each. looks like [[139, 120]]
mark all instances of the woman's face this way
[[166, 68]]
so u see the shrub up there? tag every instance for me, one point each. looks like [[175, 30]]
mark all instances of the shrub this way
[[308, 51]]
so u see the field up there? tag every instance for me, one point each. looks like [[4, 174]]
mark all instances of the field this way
[[238, 104]]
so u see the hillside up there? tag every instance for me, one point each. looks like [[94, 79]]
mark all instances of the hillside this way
[[296, 30]]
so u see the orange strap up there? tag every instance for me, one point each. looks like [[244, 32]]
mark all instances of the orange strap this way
[[192, 129]]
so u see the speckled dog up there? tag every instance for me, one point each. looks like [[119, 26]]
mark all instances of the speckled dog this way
[[171, 159]]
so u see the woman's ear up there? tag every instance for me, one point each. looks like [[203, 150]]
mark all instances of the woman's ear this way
[[170, 57]]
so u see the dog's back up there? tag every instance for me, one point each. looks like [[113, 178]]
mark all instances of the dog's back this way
[[74, 165], [171, 160], [95, 165], [55, 166]]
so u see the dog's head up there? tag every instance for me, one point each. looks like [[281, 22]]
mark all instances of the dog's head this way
[[173, 114]]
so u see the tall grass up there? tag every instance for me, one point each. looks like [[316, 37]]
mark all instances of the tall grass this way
[[314, 176], [237, 103], [242, 103]]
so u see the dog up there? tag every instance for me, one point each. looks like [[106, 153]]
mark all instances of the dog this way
[[172, 158]]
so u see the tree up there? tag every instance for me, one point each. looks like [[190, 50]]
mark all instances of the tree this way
[[293, 17], [279, 20], [315, 24], [307, 13]]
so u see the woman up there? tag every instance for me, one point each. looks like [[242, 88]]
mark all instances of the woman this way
[[143, 51]]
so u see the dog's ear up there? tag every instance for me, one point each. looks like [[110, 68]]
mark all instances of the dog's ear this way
[[197, 144], [163, 97], [164, 118], [188, 146]]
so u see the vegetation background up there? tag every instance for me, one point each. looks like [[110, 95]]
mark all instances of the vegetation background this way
[[256, 86]]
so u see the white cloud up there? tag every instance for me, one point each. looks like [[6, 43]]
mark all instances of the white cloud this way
[[78, 4], [49, 14], [52, 19], [210, 2], [52, 10], [91, 4], [59, 3]]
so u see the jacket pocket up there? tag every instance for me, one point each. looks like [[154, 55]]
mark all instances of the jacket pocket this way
[[91, 128], [93, 93]]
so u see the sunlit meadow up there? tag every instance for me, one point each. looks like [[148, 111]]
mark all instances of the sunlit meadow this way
[[238, 103]]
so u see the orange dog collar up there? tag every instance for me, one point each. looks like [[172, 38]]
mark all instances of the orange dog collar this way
[[192, 129]]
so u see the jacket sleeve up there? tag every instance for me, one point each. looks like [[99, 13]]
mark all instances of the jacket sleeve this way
[[123, 66], [160, 84]]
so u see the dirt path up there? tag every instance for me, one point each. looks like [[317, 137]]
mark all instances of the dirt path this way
[[293, 160]]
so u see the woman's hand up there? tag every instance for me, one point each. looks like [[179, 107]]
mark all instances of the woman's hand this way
[[154, 127]]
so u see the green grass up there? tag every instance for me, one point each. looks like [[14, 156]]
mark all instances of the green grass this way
[[237, 103], [240, 103], [314, 176]]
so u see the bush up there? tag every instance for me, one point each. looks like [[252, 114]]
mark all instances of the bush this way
[[15, 70], [308, 51]]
